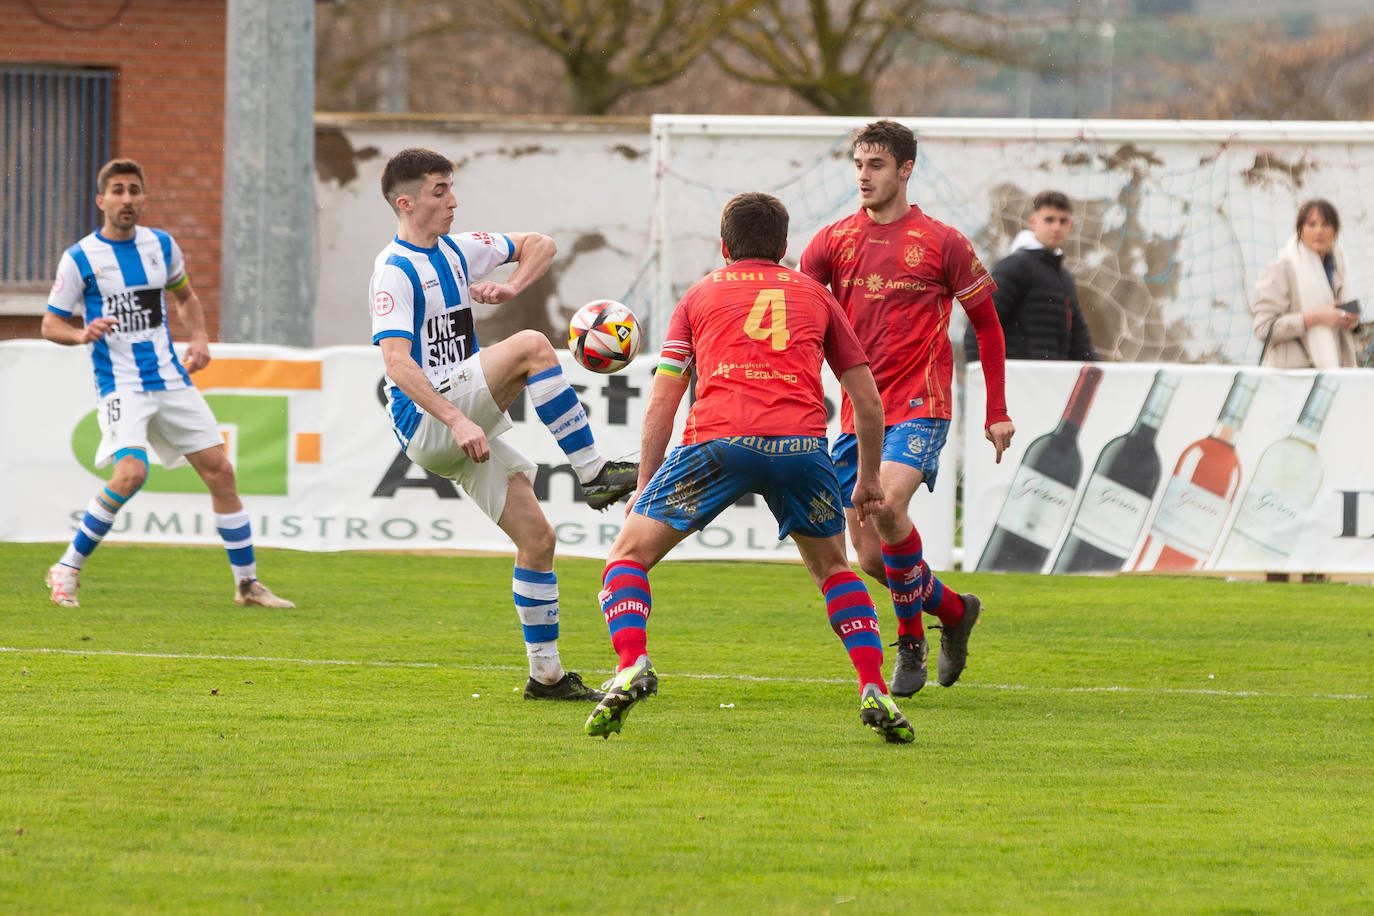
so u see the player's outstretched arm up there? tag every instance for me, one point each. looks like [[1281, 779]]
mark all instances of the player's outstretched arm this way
[[402, 369], [534, 253], [857, 382]]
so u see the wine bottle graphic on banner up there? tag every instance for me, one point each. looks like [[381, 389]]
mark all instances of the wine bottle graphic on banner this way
[[1037, 505], [1201, 489], [1286, 481], [1116, 500]]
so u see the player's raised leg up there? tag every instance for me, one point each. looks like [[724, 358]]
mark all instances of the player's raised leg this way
[[534, 586], [234, 527], [527, 360]]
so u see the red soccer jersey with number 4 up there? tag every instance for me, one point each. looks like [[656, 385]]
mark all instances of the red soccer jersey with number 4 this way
[[755, 333], [897, 283]]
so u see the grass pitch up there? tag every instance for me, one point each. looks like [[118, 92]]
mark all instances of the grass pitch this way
[[1116, 745]]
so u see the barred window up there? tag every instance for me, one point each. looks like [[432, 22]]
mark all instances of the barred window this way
[[55, 125]]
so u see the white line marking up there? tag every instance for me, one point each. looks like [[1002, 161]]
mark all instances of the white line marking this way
[[222, 658], [750, 678]]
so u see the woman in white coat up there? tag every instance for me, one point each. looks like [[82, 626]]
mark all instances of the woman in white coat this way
[[1297, 308]]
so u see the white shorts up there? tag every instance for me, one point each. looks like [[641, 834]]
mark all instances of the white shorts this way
[[432, 447], [173, 424]]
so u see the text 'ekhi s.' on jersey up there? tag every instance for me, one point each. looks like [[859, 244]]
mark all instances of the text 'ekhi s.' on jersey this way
[[897, 283], [421, 294], [124, 280], [753, 335]]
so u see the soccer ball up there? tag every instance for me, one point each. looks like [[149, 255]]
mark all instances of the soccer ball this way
[[604, 335]]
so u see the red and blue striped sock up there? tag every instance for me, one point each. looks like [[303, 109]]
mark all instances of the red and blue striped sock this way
[[855, 621], [626, 602], [907, 581], [941, 600]]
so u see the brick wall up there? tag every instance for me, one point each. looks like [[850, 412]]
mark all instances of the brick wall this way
[[168, 56]]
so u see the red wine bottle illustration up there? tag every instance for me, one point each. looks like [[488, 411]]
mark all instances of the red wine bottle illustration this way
[[1033, 515], [1116, 499]]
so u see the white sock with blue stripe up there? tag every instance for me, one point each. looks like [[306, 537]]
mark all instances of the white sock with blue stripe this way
[[561, 411], [237, 535], [95, 524], [536, 601]]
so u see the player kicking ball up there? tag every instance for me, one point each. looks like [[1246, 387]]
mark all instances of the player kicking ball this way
[[753, 334], [447, 397]]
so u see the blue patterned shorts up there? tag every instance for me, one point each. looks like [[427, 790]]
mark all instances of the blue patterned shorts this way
[[792, 473], [916, 443]]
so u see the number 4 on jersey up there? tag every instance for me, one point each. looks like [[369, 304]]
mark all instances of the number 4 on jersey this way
[[773, 303]]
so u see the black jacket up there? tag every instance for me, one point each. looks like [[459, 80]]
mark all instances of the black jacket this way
[[1037, 303]]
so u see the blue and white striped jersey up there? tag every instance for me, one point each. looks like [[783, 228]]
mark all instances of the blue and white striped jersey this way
[[125, 280], [421, 294]]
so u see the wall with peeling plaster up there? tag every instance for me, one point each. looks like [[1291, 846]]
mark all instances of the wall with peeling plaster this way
[[585, 183]]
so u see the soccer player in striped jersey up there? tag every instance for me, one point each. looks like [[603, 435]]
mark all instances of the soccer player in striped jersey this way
[[753, 334], [447, 397], [116, 281], [897, 272]]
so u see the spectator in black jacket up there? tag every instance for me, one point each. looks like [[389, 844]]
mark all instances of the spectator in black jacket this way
[[1036, 298]]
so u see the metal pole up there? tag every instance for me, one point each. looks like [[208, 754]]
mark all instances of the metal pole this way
[[268, 287], [394, 73]]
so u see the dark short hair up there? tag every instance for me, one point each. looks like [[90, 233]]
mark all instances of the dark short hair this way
[[754, 226], [118, 167], [890, 136], [409, 166], [1051, 200], [1322, 206]]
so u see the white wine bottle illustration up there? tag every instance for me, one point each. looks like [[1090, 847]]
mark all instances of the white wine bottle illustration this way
[[1286, 481]]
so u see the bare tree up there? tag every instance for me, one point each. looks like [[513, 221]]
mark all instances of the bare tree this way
[[355, 41], [613, 48], [1323, 77], [833, 52], [1262, 73]]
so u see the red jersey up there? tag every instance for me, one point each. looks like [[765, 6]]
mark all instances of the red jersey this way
[[756, 333], [897, 283]]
